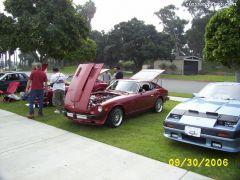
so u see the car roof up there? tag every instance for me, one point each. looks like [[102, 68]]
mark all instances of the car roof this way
[[11, 72], [134, 80]]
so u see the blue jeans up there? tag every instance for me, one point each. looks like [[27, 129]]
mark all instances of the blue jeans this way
[[33, 95]]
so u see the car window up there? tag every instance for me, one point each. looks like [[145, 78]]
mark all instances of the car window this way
[[152, 85], [146, 87], [13, 77], [21, 76], [126, 86]]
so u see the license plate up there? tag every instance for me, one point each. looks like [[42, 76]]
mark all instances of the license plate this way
[[79, 116], [192, 131], [69, 114]]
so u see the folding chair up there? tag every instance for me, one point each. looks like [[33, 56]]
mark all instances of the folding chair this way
[[12, 88]]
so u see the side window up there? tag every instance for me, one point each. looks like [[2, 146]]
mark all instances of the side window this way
[[8, 77], [146, 87], [21, 77], [13, 77], [152, 86]]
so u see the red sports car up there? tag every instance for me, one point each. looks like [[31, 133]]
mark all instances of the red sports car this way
[[122, 98]]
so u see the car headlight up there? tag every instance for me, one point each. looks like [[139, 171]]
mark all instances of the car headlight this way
[[227, 120], [176, 114], [226, 123], [100, 108]]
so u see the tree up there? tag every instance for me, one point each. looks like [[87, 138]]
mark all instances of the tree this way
[[139, 42], [87, 11], [85, 53], [100, 39], [47, 29], [195, 35], [173, 25], [222, 39], [7, 36]]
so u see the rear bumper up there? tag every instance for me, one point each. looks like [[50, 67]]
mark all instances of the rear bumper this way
[[208, 141], [85, 118]]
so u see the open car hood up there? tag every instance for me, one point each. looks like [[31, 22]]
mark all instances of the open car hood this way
[[81, 86], [147, 74]]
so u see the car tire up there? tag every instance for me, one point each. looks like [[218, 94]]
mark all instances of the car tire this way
[[158, 107], [115, 117]]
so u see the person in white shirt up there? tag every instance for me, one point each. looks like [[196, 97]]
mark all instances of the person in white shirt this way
[[106, 77], [57, 82]]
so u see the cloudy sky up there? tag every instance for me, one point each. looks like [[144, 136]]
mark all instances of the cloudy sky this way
[[111, 12]]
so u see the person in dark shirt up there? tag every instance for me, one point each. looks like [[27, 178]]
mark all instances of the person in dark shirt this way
[[35, 87], [118, 73]]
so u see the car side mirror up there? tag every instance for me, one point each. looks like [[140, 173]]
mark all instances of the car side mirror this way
[[194, 95]]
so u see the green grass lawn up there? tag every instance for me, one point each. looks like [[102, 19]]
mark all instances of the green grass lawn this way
[[185, 95], [69, 69], [209, 78], [143, 135]]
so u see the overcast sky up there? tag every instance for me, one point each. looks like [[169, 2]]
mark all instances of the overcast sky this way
[[111, 12]]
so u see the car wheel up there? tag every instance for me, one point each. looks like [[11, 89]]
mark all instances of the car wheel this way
[[158, 105], [115, 117]]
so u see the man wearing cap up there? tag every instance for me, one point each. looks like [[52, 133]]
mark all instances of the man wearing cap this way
[[57, 81], [37, 81]]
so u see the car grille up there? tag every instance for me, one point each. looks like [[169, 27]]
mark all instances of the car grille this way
[[198, 140]]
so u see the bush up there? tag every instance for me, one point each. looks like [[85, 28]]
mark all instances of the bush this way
[[172, 67], [163, 66]]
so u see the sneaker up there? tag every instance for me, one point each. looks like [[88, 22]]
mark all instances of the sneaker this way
[[30, 116], [57, 111]]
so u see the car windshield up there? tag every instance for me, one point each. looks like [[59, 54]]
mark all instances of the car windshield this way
[[1, 74], [126, 86], [220, 91]]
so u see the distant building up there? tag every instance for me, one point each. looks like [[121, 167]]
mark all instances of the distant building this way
[[186, 65]]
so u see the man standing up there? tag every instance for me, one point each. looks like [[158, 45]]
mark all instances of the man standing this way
[[118, 73], [57, 81], [36, 83]]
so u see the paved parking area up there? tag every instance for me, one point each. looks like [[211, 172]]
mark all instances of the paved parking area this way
[[30, 150]]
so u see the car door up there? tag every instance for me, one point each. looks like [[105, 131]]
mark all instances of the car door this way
[[4, 82], [22, 78], [146, 97]]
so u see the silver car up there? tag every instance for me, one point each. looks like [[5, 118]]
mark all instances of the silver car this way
[[210, 119]]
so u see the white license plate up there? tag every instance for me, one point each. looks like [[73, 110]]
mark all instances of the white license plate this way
[[192, 131], [69, 114], [79, 116]]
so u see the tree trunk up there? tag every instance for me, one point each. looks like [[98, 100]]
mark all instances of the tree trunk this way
[[237, 75], [9, 60]]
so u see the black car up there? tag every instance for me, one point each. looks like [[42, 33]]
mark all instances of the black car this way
[[7, 77]]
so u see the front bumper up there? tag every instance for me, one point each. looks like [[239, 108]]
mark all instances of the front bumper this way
[[205, 140], [85, 118]]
